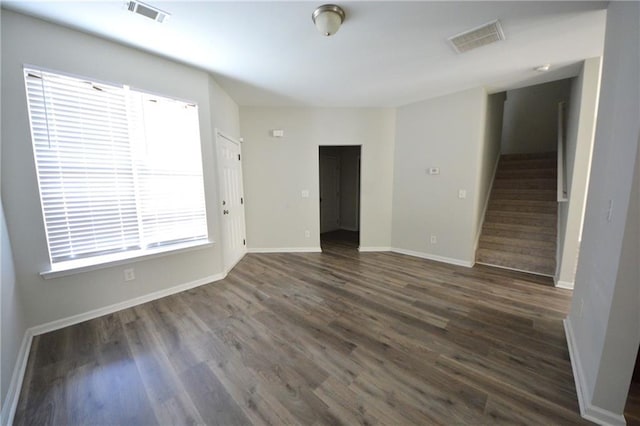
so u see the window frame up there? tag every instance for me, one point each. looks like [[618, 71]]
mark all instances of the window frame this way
[[99, 261]]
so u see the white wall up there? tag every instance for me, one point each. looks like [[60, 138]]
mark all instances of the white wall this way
[[30, 41], [582, 110], [603, 321], [530, 117], [12, 321], [446, 132], [276, 170], [489, 152]]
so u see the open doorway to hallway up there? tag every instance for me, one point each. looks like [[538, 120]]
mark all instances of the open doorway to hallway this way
[[339, 196]]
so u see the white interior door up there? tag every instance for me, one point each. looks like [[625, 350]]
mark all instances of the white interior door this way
[[231, 200], [329, 193]]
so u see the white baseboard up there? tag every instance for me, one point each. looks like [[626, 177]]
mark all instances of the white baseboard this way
[[373, 249], [286, 250], [587, 410], [564, 284], [13, 394], [15, 386], [437, 258], [75, 319], [350, 228]]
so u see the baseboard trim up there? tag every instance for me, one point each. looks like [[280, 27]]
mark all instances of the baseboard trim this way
[[227, 270], [587, 410], [15, 386], [11, 401], [350, 228], [437, 258], [95, 313], [373, 249], [568, 285], [286, 250]]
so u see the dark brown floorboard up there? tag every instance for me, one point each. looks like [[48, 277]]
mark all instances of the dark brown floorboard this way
[[336, 337]]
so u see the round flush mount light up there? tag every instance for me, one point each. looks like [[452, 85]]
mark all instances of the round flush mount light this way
[[543, 68], [328, 19]]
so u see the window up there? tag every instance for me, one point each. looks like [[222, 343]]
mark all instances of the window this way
[[119, 170]]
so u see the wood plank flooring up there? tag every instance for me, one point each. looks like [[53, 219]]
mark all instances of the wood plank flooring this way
[[317, 339]]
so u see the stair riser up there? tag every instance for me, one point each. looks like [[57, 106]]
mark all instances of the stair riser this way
[[546, 184], [529, 156], [526, 263], [527, 174], [517, 242], [523, 194], [543, 270], [518, 235], [525, 206], [529, 251], [528, 164], [515, 219]]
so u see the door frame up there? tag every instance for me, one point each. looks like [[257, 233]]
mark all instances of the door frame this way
[[359, 182], [227, 263]]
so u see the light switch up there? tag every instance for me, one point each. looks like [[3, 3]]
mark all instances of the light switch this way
[[305, 193], [462, 193]]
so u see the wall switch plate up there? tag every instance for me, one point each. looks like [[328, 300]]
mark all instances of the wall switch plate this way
[[462, 193], [129, 274], [433, 170], [433, 239], [307, 234], [277, 133], [305, 193]]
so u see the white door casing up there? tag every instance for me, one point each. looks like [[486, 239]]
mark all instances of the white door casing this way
[[231, 200]]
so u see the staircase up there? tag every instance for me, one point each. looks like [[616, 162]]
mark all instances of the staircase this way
[[519, 230]]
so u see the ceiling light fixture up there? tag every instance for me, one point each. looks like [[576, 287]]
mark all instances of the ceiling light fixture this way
[[543, 68], [328, 19]]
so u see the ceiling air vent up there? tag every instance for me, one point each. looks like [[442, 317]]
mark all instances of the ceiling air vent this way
[[147, 11], [477, 37]]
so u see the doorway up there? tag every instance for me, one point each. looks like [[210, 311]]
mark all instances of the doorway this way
[[339, 168]]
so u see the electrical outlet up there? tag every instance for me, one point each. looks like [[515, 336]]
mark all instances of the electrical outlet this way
[[462, 193], [433, 239], [129, 274], [307, 234]]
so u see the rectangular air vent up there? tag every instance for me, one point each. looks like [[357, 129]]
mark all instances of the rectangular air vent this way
[[477, 37], [147, 11]]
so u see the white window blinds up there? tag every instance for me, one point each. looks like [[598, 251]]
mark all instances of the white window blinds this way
[[118, 170]]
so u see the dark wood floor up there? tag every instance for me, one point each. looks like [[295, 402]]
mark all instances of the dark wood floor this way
[[317, 338]]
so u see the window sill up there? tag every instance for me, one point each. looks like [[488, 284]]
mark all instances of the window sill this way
[[72, 267]]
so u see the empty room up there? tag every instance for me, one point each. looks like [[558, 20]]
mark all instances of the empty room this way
[[289, 212]]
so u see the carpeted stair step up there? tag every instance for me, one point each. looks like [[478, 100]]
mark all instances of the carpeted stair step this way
[[531, 206], [521, 218], [522, 262], [550, 173], [504, 245], [547, 184], [524, 194], [520, 231]]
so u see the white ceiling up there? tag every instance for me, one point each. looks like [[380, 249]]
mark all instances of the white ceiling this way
[[387, 53]]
